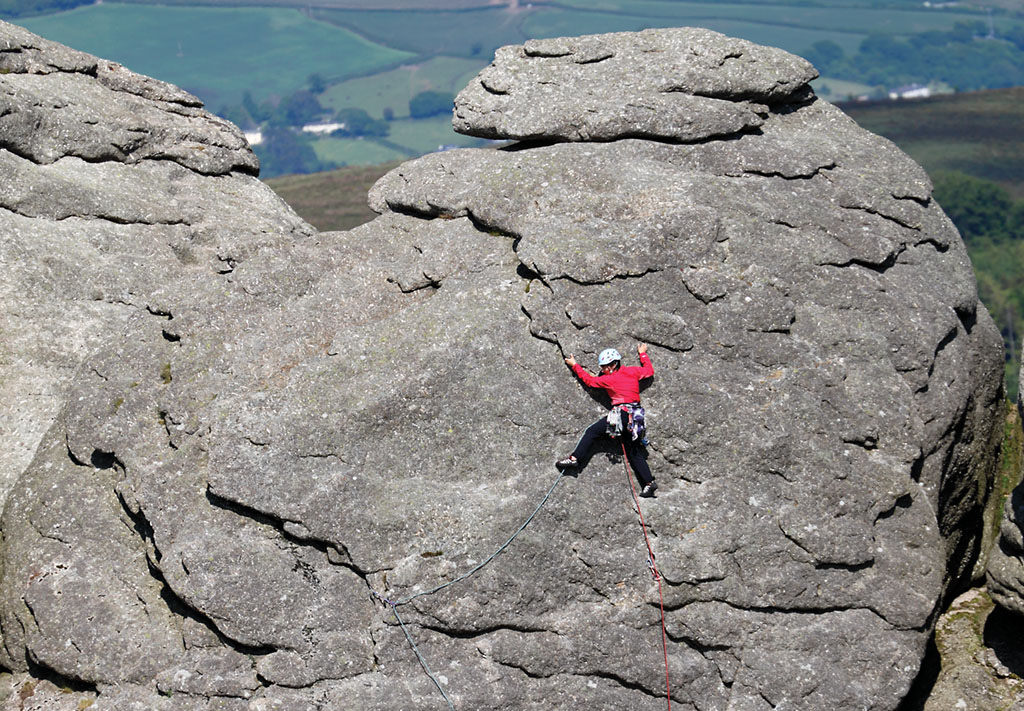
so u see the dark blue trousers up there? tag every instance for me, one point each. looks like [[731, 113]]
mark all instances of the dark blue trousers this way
[[636, 454]]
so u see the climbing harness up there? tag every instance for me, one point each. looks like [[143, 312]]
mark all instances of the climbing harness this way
[[654, 570], [395, 604], [635, 426]]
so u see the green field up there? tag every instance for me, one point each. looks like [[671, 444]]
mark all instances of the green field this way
[[218, 53], [815, 16], [393, 89], [557, 23], [789, 26], [836, 90], [473, 33], [408, 139], [391, 5], [426, 135], [376, 59], [356, 151]]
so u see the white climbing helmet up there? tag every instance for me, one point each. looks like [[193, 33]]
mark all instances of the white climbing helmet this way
[[608, 355]]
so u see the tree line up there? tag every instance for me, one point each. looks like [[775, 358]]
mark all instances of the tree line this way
[[303, 107], [968, 57], [992, 225], [285, 150]]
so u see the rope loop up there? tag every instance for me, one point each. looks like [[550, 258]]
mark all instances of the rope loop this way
[[374, 595]]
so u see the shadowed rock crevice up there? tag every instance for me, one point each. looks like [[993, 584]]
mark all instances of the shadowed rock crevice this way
[[65, 683], [99, 459], [483, 631], [625, 684], [175, 605], [294, 532]]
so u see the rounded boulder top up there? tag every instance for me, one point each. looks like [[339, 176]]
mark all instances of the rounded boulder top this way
[[677, 84]]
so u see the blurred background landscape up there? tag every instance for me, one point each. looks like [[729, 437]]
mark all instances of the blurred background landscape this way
[[334, 93]]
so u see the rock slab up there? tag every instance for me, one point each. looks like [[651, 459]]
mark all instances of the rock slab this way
[[263, 450], [115, 186]]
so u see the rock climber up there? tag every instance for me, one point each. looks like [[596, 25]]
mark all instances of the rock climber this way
[[626, 418]]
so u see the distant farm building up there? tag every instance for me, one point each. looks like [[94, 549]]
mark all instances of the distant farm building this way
[[911, 91], [322, 127]]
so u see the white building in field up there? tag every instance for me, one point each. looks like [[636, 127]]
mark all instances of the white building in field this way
[[322, 127], [255, 138], [911, 91]]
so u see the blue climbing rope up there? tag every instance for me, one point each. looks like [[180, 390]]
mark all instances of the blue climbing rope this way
[[494, 555], [415, 649], [394, 604]]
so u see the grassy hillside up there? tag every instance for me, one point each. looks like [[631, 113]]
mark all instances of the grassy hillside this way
[[218, 53], [393, 89], [335, 200], [978, 133]]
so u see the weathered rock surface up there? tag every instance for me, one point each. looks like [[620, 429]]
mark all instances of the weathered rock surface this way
[[678, 84], [981, 658], [378, 410], [115, 187], [1006, 561]]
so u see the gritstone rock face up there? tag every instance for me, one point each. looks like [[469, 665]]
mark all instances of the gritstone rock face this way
[[261, 445], [114, 183], [1006, 563]]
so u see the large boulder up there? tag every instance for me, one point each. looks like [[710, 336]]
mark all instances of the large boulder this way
[[115, 186], [242, 475], [682, 85]]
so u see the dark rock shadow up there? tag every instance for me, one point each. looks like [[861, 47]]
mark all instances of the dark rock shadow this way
[[1003, 633], [1017, 504], [925, 681]]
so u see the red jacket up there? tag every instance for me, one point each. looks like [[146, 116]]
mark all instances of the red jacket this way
[[623, 385]]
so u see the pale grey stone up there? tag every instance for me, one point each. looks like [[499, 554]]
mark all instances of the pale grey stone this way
[[684, 84], [108, 203], [294, 424]]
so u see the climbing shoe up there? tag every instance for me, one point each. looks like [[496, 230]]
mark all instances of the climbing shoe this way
[[569, 462], [648, 491]]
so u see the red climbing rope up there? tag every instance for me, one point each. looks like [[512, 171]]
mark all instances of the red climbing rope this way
[[654, 571]]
